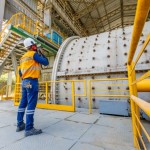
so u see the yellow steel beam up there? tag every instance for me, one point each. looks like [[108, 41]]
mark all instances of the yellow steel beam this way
[[117, 90], [142, 10], [101, 85], [56, 107], [143, 86], [53, 107], [101, 95], [142, 50], [145, 106], [113, 79], [61, 81]]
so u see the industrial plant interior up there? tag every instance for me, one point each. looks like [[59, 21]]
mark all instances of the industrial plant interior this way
[[95, 92]]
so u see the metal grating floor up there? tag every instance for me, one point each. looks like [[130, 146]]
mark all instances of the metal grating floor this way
[[66, 131]]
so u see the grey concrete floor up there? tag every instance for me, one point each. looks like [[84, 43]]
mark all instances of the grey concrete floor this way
[[66, 131]]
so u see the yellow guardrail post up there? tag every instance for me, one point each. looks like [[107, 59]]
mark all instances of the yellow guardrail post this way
[[17, 86], [30, 31], [136, 94], [73, 95], [46, 85], [85, 88], [90, 96], [36, 28], [15, 20], [133, 108], [24, 21]]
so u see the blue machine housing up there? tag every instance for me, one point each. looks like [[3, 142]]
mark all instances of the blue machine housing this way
[[56, 38], [114, 107]]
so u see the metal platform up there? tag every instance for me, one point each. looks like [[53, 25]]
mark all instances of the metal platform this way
[[66, 131]]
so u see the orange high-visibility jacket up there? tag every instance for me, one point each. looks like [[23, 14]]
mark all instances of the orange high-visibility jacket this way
[[28, 66]]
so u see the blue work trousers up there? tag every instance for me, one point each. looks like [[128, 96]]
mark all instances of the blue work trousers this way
[[29, 101]]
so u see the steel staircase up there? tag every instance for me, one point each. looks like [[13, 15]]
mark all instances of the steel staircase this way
[[13, 31], [7, 46]]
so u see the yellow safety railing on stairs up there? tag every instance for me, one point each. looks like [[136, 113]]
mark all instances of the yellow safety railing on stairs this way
[[6, 92], [137, 104], [32, 26], [24, 22]]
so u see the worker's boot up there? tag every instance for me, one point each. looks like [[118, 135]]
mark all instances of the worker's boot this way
[[33, 131], [21, 127]]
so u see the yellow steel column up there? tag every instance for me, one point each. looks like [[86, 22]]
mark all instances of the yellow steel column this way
[[133, 109], [142, 10]]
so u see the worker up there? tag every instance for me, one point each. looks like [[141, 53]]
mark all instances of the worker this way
[[30, 72]]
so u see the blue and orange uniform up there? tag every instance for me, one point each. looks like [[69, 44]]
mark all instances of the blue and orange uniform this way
[[30, 72]]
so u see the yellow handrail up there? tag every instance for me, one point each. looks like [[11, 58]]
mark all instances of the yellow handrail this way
[[145, 106], [138, 103], [4, 91], [24, 22], [141, 51], [33, 27], [140, 18], [95, 88], [45, 88]]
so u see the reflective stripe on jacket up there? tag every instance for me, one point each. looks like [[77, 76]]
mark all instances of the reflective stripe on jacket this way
[[29, 67]]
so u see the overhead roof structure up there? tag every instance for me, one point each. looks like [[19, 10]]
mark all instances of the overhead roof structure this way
[[84, 17], [88, 17]]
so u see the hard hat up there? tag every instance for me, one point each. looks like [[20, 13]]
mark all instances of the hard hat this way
[[28, 42]]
